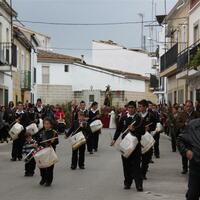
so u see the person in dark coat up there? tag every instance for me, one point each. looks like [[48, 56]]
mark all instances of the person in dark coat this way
[[149, 121], [17, 146], [183, 120], [78, 155], [47, 133], [189, 146], [93, 138], [132, 164]]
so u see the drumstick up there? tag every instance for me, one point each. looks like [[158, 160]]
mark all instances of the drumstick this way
[[48, 140], [128, 127]]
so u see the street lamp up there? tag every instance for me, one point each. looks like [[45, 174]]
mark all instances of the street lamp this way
[[142, 30]]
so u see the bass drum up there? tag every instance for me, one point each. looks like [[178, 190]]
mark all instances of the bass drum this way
[[45, 157], [77, 140], [32, 128], [128, 145], [96, 125], [15, 131], [147, 141]]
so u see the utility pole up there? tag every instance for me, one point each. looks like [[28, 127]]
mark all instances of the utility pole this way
[[142, 29]]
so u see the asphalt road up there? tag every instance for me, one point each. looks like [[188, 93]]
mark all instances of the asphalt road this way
[[101, 180]]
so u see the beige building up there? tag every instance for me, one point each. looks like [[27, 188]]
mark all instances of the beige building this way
[[22, 75], [176, 32]]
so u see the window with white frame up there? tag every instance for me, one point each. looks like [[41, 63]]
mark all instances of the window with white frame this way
[[196, 32], [45, 74]]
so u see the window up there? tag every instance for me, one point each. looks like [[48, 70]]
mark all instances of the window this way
[[91, 98], [7, 35], [66, 68], [34, 75], [196, 33], [180, 96], [175, 97], [170, 98], [45, 74]]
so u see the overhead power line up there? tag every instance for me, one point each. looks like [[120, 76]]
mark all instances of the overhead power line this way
[[84, 24]]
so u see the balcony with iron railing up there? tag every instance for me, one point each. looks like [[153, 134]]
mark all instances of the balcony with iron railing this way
[[184, 57], [25, 80], [8, 54], [169, 58]]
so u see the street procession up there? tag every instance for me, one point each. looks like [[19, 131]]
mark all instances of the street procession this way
[[97, 104]]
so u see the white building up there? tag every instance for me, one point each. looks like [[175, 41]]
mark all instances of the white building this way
[[115, 56], [7, 52], [61, 78]]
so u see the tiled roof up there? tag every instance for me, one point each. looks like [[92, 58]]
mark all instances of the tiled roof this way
[[49, 56], [126, 75]]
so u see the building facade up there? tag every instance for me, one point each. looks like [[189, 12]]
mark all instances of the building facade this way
[[7, 52]]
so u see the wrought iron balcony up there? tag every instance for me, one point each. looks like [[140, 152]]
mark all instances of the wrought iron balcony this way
[[8, 54], [186, 55], [169, 58], [25, 80]]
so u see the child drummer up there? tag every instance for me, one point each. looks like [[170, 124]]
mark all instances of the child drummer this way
[[29, 146], [47, 137], [78, 155]]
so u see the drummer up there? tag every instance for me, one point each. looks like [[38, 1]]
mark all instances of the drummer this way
[[29, 145], [78, 155], [47, 133], [131, 165], [93, 137], [17, 146]]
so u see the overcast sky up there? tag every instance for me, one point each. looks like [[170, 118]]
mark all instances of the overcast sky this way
[[88, 11]]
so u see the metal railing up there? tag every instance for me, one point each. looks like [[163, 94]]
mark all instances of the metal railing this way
[[25, 80], [8, 54], [186, 55], [169, 58]]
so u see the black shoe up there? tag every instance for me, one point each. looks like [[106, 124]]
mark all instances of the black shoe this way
[[42, 182], [184, 172], [48, 184], [91, 152], [140, 189], [151, 161], [144, 177], [73, 168], [127, 187], [157, 156], [82, 167], [19, 159], [174, 150], [95, 150], [13, 159]]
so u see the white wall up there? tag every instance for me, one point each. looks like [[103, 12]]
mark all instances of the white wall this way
[[194, 18], [115, 57], [82, 79]]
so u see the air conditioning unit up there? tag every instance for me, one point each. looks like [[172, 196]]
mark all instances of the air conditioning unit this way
[[154, 63]]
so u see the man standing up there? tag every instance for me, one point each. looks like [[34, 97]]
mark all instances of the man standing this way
[[131, 165], [189, 146], [183, 120], [149, 121]]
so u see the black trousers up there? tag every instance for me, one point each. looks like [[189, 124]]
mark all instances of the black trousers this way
[[193, 187], [4, 133], [96, 140], [156, 145], [185, 163], [17, 148], [30, 167], [173, 138], [90, 142], [146, 158], [132, 170], [47, 174], [78, 156]]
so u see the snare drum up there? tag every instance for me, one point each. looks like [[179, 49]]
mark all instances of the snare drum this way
[[128, 145], [77, 140], [15, 131], [45, 157], [32, 128], [96, 125], [147, 141]]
